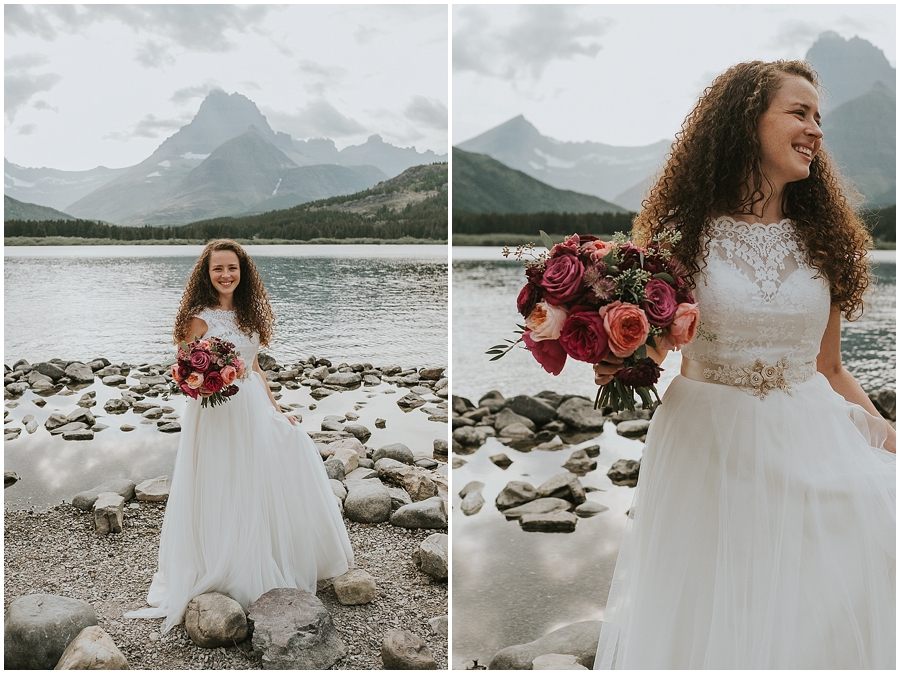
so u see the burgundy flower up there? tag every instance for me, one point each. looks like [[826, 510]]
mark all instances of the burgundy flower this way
[[655, 263], [584, 338], [562, 279], [188, 390], [528, 297], [547, 352], [200, 361], [213, 382], [643, 373], [629, 256], [683, 294], [229, 391], [660, 304], [567, 247], [184, 371]]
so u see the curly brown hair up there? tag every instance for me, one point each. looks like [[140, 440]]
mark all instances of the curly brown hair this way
[[252, 310], [714, 169]]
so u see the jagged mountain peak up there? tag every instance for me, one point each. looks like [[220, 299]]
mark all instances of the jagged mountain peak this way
[[848, 68]]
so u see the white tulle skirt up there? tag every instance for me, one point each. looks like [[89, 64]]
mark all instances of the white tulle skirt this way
[[250, 509], [762, 537]]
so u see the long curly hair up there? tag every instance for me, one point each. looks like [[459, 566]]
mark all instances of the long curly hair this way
[[714, 169], [252, 310]]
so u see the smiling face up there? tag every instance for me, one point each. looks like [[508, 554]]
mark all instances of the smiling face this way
[[789, 133], [225, 273]]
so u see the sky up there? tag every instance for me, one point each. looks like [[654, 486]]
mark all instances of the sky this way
[[625, 75], [104, 85]]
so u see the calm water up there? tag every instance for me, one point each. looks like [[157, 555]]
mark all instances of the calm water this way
[[377, 304], [509, 586]]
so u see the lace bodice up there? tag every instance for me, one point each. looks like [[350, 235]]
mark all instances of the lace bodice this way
[[757, 296], [220, 323]]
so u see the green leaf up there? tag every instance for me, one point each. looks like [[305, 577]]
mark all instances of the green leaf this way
[[546, 240], [665, 277], [641, 352]]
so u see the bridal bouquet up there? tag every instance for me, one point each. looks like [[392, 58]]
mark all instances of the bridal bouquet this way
[[207, 368], [587, 298]]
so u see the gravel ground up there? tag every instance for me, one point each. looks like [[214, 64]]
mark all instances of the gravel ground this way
[[57, 552]]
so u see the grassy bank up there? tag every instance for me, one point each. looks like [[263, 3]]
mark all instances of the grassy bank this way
[[78, 241]]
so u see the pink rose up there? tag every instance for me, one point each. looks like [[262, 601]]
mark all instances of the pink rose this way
[[195, 381], [597, 249], [188, 390], [567, 247], [545, 321], [562, 279], [228, 375], [200, 361], [239, 366], [584, 338], [528, 297], [204, 344], [213, 382], [626, 326], [547, 352], [684, 326], [660, 304]]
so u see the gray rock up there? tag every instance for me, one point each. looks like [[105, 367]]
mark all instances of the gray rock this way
[[633, 429], [92, 649], [16, 388], [410, 402], [214, 619], [359, 431], [168, 427], [56, 420], [355, 587], [468, 436], [293, 630], [116, 406], [50, 370], [155, 490], [885, 401], [89, 399], [37, 629], [460, 405], [397, 451], [338, 488], [579, 462], [80, 373], [334, 468], [141, 406], [439, 625], [399, 497], [425, 462], [83, 415], [85, 500], [564, 485], [590, 508], [624, 472], [380, 423], [401, 649], [515, 493], [431, 557], [578, 639], [579, 413], [266, 362], [472, 503], [78, 434], [68, 428], [593, 451], [558, 521], [471, 488], [440, 448], [109, 512], [361, 474], [516, 431], [539, 411], [507, 417], [367, 501], [113, 380], [333, 422], [501, 460], [540, 506], [493, 400], [10, 478], [346, 443], [428, 514], [431, 373]]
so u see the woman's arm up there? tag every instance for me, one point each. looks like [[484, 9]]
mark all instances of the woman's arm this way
[[603, 372], [197, 328], [257, 368], [829, 363]]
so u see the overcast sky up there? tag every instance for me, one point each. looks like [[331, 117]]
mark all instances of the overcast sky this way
[[625, 74], [106, 84]]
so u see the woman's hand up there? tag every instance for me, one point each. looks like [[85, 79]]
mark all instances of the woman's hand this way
[[293, 420], [604, 371], [891, 443]]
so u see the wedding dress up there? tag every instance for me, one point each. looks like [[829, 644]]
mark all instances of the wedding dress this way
[[250, 507], [762, 530]]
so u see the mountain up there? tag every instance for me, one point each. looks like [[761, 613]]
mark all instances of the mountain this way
[[52, 187], [14, 209], [484, 185], [849, 68], [374, 152], [415, 185], [589, 168]]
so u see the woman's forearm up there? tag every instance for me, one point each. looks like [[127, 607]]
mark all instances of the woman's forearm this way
[[845, 384]]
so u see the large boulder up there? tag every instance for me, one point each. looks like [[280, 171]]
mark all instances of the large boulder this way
[[214, 619], [515, 493], [564, 485], [401, 649], [396, 451], [418, 482], [37, 629], [358, 431], [293, 630], [156, 489], [355, 587], [431, 557], [624, 473], [50, 370], [579, 413], [428, 514], [92, 649], [367, 501], [344, 379], [578, 639], [80, 373], [534, 408], [507, 417], [344, 443], [348, 457], [85, 500]]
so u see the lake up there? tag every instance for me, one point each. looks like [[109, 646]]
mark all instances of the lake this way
[[511, 586]]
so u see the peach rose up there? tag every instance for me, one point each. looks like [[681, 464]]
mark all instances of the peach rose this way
[[545, 321], [684, 326], [597, 249], [626, 326], [195, 381], [228, 375]]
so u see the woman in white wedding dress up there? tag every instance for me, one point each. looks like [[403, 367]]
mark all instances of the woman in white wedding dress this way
[[762, 533], [250, 507]]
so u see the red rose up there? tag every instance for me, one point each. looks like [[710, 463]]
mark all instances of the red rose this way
[[213, 382], [660, 304], [584, 338], [200, 361], [629, 256], [547, 352], [528, 297], [562, 279]]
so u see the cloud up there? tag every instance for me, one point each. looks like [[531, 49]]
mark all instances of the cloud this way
[[186, 94], [540, 35], [150, 127], [318, 119], [20, 84], [154, 55], [250, 84], [18, 19], [43, 105], [26, 129], [427, 111], [323, 77]]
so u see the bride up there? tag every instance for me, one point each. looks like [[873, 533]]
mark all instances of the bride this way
[[250, 507], [762, 534]]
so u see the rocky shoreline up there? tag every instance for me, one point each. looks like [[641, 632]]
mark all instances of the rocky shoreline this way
[[390, 611]]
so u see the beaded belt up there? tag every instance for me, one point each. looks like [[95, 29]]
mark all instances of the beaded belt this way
[[757, 378]]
